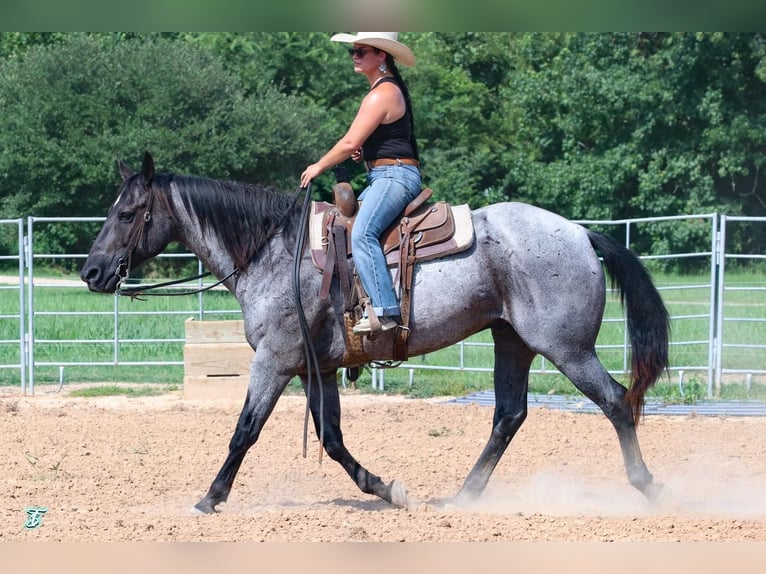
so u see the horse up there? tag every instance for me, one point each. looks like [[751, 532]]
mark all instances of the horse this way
[[532, 277]]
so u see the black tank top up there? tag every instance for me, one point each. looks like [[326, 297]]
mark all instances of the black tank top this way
[[392, 140]]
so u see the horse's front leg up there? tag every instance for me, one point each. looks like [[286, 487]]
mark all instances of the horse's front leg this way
[[262, 395], [326, 408]]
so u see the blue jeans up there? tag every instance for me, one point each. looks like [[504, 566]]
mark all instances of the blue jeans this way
[[389, 189]]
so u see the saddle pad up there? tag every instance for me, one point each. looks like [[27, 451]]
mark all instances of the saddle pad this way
[[460, 241]]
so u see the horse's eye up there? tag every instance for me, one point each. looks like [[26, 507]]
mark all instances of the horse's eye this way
[[126, 216]]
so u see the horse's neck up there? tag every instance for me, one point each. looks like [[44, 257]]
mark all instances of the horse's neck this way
[[205, 245]]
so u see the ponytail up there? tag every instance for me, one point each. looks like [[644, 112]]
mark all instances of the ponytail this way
[[406, 93]]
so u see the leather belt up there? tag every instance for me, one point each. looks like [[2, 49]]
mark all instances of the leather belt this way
[[391, 161]]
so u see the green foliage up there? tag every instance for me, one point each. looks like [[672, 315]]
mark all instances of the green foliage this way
[[590, 125], [12, 43], [629, 125], [614, 121], [457, 99], [71, 109]]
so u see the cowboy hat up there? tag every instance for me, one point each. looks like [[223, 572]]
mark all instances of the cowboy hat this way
[[386, 41]]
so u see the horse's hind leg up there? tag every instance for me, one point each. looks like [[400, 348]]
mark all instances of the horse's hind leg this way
[[326, 408], [590, 376], [512, 362]]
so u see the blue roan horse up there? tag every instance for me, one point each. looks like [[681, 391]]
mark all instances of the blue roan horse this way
[[531, 277]]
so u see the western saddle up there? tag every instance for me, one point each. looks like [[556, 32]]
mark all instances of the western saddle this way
[[425, 231]]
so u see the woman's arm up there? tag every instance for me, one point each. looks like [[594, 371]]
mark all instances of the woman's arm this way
[[376, 108]]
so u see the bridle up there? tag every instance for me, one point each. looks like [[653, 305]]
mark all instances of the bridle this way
[[138, 235]]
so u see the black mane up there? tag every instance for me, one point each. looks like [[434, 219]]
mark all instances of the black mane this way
[[244, 216]]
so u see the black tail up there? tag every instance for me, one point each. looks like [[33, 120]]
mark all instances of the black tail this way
[[648, 319]]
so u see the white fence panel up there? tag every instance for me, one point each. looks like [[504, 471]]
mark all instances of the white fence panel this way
[[740, 341], [712, 340], [119, 315], [681, 347], [12, 315], [713, 325]]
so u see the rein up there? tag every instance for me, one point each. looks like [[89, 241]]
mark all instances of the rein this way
[[140, 291], [312, 362]]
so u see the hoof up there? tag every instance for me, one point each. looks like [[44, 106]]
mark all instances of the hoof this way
[[204, 506], [463, 500], [657, 493], [399, 495]]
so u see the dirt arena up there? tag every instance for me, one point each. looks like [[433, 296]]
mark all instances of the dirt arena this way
[[130, 469]]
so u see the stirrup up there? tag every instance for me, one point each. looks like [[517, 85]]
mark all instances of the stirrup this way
[[364, 326]]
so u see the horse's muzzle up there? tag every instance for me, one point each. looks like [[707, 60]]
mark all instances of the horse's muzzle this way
[[98, 281]]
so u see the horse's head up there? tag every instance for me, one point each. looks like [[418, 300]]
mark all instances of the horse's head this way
[[137, 228]]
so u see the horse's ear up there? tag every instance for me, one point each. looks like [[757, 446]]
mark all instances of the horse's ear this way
[[147, 167], [125, 170]]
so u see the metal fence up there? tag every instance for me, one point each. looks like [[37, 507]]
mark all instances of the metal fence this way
[[11, 314], [731, 353], [711, 338]]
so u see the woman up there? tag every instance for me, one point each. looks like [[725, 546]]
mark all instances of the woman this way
[[382, 135]]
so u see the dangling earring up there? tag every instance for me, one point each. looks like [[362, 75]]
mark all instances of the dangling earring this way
[[382, 68]]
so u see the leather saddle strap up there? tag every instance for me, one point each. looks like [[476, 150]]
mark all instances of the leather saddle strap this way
[[403, 331], [344, 273], [337, 261], [329, 263], [406, 246], [405, 272]]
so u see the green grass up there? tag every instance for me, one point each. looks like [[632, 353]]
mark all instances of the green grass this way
[[112, 390], [687, 299], [153, 331], [150, 331]]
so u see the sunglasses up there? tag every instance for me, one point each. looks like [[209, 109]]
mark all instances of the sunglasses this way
[[359, 52]]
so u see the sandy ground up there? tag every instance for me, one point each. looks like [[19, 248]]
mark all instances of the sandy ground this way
[[130, 469]]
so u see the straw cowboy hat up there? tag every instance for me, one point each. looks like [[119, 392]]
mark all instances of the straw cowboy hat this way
[[386, 41]]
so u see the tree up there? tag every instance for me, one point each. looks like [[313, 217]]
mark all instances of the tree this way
[[12, 43], [631, 125], [455, 88], [607, 125], [71, 109]]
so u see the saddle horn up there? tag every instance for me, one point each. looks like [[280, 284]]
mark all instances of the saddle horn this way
[[343, 193]]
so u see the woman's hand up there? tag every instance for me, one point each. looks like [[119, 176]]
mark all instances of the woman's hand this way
[[357, 155], [310, 173]]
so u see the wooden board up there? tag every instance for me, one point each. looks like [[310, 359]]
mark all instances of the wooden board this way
[[216, 360]]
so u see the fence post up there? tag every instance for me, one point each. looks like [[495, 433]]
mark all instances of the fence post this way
[[23, 361], [717, 336], [625, 331], [30, 340]]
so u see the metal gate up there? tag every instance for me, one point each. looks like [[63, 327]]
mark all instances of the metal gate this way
[[734, 343], [13, 341], [738, 354]]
